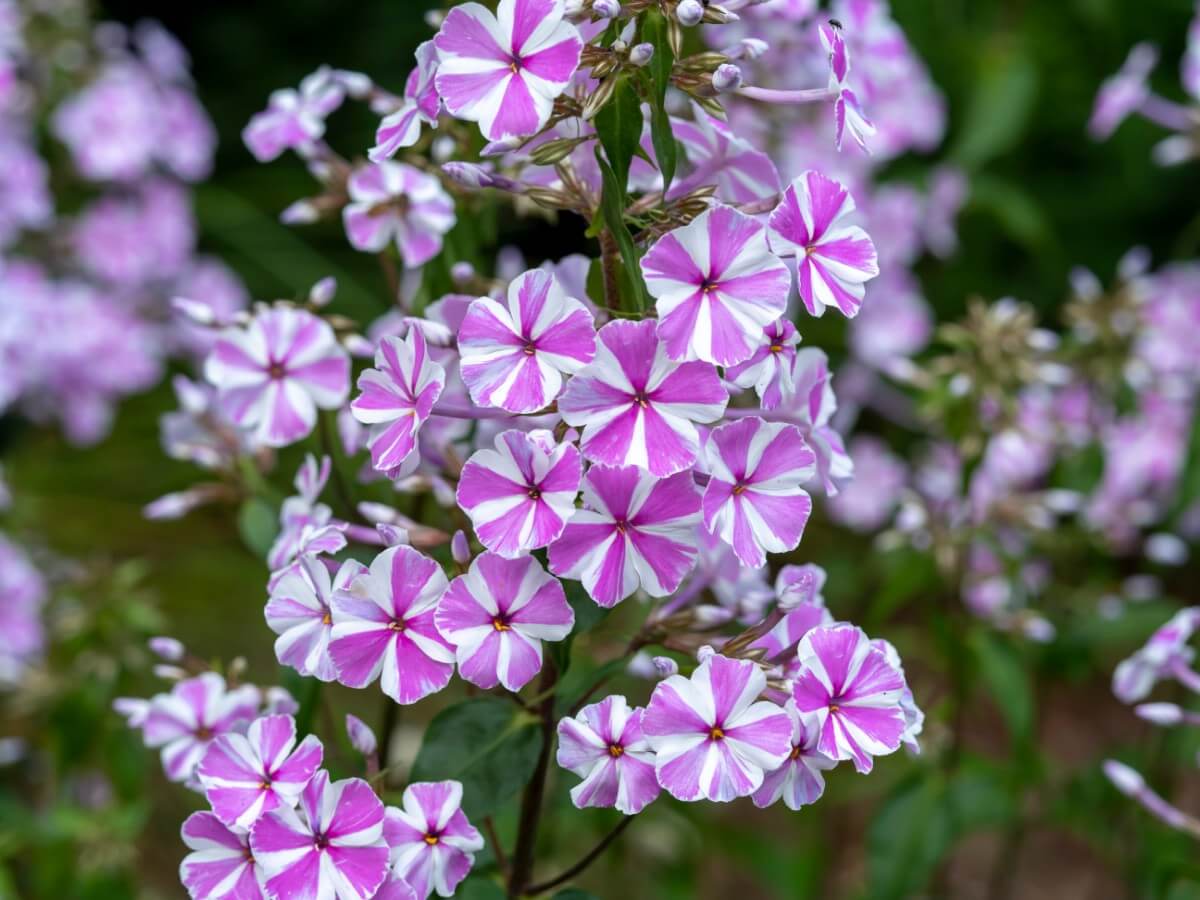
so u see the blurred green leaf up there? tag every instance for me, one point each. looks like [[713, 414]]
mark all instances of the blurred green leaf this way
[[258, 524], [1006, 676], [574, 894], [906, 839], [1013, 208], [479, 888], [1000, 107]]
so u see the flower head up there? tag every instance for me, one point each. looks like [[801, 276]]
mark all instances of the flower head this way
[[853, 692], [332, 846], [712, 736], [834, 259], [186, 721], [717, 286], [515, 354], [273, 375], [636, 406], [300, 612], [521, 494], [798, 782], [754, 499], [247, 776], [397, 397], [391, 201], [604, 746], [497, 616], [421, 105], [432, 845], [504, 70], [769, 369], [221, 865], [383, 627], [634, 530], [294, 120]]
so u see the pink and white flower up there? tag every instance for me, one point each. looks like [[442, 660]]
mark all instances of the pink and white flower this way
[[395, 202], [421, 105], [769, 369], [712, 736], [246, 776], [741, 172], [717, 285], [504, 70], [331, 848], [498, 614], [273, 375], [853, 694], [604, 746], [636, 406], [634, 530], [847, 112], [383, 627], [754, 499], [397, 397], [798, 782], [220, 866], [294, 120], [300, 611], [432, 845], [197, 711], [521, 494], [306, 526], [811, 409], [834, 258], [514, 354]]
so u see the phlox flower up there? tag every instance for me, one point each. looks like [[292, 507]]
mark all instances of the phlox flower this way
[[504, 70], [834, 259], [421, 105], [754, 499], [811, 409], [741, 173], [306, 527], [498, 614], [521, 494], [1166, 652], [798, 782], [330, 848], [294, 120], [432, 845], [717, 286], [604, 746], [383, 627], [638, 407], [396, 888], [914, 716], [391, 201], [273, 375], [246, 776], [220, 866], [1122, 93], [397, 397], [853, 694], [769, 369], [712, 736], [868, 501], [514, 354], [111, 126], [634, 530], [187, 720], [847, 111], [300, 612]]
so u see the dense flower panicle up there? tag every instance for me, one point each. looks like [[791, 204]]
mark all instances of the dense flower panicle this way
[[520, 495], [396, 398], [868, 501], [393, 202], [717, 286], [833, 257], [383, 627], [110, 125], [431, 844], [273, 375], [221, 865], [711, 735], [853, 694], [294, 119], [246, 776], [504, 70], [754, 499], [25, 199], [634, 531], [799, 781], [498, 614], [300, 612], [604, 745], [770, 369], [332, 846], [636, 406], [421, 105], [187, 720], [514, 354]]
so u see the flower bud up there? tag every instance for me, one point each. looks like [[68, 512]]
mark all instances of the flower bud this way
[[462, 273], [728, 77], [393, 535], [747, 48], [689, 12], [468, 175], [665, 666], [1123, 778], [167, 648], [500, 147], [553, 151], [704, 653], [599, 98], [1160, 713], [322, 292], [606, 9], [169, 673], [302, 212], [710, 616], [357, 345], [460, 548], [196, 310], [641, 54], [279, 702], [362, 738]]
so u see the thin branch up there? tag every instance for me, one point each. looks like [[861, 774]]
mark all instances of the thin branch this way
[[535, 791], [591, 857], [489, 826]]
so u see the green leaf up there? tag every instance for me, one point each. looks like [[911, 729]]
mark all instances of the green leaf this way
[[907, 838], [1001, 108], [258, 524], [479, 888], [488, 744], [665, 149], [1007, 678], [619, 126], [612, 208], [574, 894], [575, 685], [587, 616]]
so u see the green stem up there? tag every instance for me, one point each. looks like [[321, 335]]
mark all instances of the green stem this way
[[535, 791]]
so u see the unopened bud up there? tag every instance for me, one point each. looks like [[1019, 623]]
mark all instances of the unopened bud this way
[[705, 653], [665, 666], [548, 199], [393, 535], [462, 273], [322, 292], [606, 9], [357, 345], [500, 147], [169, 673], [1160, 713], [553, 151], [468, 175], [167, 648], [196, 310], [362, 738], [689, 12], [641, 54], [599, 98], [302, 212], [747, 48], [710, 616], [1123, 778], [460, 548], [728, 77]]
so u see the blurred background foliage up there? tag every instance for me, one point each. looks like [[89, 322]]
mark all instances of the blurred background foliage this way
[[1022, 811]]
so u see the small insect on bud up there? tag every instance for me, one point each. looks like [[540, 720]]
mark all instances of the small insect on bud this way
[[728, 77], [606, 9], [460, 548], [302, 212], [641, 54], [167, 648], [689, 13], [322, 292]]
